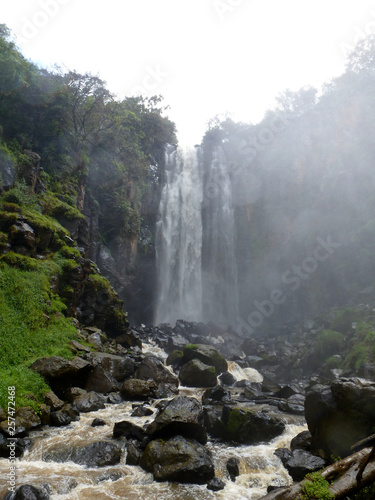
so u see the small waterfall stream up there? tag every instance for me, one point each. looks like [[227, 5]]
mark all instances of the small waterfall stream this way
[[259, 467]]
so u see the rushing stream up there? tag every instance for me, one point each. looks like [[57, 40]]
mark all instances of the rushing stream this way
[[259, 467]]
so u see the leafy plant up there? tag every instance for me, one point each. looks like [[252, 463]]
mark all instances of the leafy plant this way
[[315, 487]]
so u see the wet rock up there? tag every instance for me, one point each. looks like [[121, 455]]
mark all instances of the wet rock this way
[[119, 367], [175, 359], [197, 374], [215, 484], [25, 421], [249, 426], [129, 430], [301, 442], [61, 373], [60, 418], [110, 476], [73, 392], [183, 416], [134, 452], [142, 411], [207, 355], [340, 415], [295, 405], [27, 492], [302, 462], [212, 420], [284, 454], [177, 343], [233, 468], [101, 381], [216, 395], [268, 385], [98, 422], [95, 340], [98, 454], [114, 398], [129, 339], [19, 446], [135, 389], [226, 378], [53, 401], [154, 369], [76, 347], [90, 401], [178, 460], [22, 235]]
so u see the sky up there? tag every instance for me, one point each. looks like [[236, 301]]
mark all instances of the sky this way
[[206, 57]]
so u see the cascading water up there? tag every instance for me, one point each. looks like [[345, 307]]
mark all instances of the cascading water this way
[[179, 240], [195, 243], [219, 268]]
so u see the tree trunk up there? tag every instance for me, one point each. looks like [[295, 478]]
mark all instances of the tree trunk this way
[[342, 475]]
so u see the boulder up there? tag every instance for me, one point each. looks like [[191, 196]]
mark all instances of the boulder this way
[[19, 445], [152, 368], [183, 416], [340, 415], [97, 454], [178, 460], [129, 339], [119, 367], [129, 430], [27, 492], [294, 404], [215, 484], [134, 452], [216, 395], [249, 426], [142, 411], [53, 401], [284, 454], [90, 401], [25, 420], [98, 422], [301, 442], [61, 373], [100, 380], [226, 378], [207, 354], [135, 389], [233, 468], [302, 462], [197, 374], [175, 358]]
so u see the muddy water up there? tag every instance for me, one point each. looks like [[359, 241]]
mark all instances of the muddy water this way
[[68, 481]]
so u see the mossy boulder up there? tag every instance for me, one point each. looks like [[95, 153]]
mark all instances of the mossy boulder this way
[[197, 374], [178, 460], [207, 354], [246, 426]]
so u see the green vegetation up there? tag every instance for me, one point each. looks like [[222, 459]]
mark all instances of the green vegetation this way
[[362, 346], [328, 342], [315, 487], [32, 325]]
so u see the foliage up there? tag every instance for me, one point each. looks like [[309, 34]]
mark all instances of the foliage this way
[[32, 324], [315, 487], [328, 342]]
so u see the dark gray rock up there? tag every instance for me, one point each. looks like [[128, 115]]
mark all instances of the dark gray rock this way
[[90, 401], [215, 484], [178, 460], [142, 411], [27, 492], [301, 463], [135, 389], [129, 430], [197, 374], [98, 422], [216, 395], [183, 416], [284, 454], [99, 380], [226, 378], [301, 442], [119, 367], [98, 454], [152, 368], [233, 468]]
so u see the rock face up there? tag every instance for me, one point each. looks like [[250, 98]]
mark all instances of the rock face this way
[[197, 374], [98, 454], [182, 416], [340, 415], [207, 354], [178, 459]]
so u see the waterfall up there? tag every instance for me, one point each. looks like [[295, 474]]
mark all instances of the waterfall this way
[[179, 240], [195, 241], [219, 266]]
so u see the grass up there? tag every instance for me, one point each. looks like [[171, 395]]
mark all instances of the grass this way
[[32, 325], [315, 487]]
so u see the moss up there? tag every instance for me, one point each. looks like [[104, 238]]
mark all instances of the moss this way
[[315, 487], [58, 209], [3, 240], [237, 419], [7, 220], [70, 253], [21, 261], [10, 207], [192, 347]]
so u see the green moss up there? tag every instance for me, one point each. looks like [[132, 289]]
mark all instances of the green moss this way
[[329, 342], [237, 419], [7, 220], [315, 487], [70, 253], [192, 347], [21, 261], [58, 209], [10, 207], [3, 240]]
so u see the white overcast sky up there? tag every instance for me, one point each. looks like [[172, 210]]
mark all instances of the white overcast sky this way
[[205, 57]]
